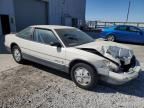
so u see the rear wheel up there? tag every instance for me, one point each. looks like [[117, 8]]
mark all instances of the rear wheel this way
[[110, 38], [84, 76], [17, 55]]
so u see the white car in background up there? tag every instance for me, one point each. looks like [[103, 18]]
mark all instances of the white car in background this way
[[70, 50]]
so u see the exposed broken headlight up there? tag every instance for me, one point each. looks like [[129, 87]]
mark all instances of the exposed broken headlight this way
[[106, 63], [110, 66]]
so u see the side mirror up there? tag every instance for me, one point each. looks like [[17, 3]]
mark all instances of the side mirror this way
[[57, 44]]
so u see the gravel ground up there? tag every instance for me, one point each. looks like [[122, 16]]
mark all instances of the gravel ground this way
[[35, 86], [7, 62]]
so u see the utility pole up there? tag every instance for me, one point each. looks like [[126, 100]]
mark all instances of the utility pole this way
[[129, 5]]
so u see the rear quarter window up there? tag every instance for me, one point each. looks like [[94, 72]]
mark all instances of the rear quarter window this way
[[26, 33]]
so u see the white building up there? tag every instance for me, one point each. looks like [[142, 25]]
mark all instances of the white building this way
[[18, 14]]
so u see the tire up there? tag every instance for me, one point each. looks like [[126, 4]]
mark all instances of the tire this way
[[17, 55], [110, 38], [86, 79]]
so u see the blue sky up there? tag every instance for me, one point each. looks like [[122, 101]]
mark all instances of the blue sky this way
[[114, 10]]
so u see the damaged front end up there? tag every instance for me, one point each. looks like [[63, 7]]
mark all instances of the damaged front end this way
[[120, 64], [128, 69], [120, 59], [125, 57]]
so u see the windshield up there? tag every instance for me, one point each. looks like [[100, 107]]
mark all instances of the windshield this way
[[73, 37]]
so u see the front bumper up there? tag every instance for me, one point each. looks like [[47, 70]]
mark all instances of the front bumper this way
[[121, 78]]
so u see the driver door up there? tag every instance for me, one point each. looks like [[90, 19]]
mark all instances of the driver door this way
[[44, 52], [122, 33]]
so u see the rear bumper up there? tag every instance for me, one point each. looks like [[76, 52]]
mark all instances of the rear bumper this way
[[121, 78]]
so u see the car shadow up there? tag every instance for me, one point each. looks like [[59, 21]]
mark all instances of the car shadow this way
[[48, 69], [132, 88]]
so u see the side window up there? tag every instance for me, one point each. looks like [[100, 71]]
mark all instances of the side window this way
[[122, 28], [44, 36], [134, 29], [26, 33]]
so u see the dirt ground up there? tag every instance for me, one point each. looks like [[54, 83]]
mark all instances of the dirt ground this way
[[35, 86]]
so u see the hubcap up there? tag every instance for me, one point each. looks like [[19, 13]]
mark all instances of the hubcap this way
[[17, 55], [110, 38], [82, 76]]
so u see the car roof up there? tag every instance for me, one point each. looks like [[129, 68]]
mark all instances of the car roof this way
[[51, 26]]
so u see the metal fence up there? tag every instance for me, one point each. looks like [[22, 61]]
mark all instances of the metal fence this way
[[101, 24]]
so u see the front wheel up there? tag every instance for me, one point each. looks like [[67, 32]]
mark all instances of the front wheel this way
[[84, 76], [17, 55]]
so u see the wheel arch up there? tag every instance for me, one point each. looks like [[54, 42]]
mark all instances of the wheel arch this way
[[13, 44], [111, 34], [73, 62]]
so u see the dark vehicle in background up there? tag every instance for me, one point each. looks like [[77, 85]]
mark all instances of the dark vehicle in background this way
[[123, 33]]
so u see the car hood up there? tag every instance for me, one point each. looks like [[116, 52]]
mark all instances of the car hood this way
[[110, 50]]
